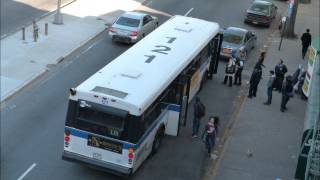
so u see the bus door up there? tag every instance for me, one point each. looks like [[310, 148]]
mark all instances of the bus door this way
[[215, 47], [177, 104]]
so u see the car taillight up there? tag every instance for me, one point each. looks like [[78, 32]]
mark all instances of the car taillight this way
[[134, 33], [130, 155], [111, 29]]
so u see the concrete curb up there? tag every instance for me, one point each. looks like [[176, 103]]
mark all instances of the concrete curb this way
[[38, 75], [24, 84], [82, 44]]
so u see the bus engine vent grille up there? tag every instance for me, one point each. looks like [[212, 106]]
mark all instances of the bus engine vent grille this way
[[110, 92]]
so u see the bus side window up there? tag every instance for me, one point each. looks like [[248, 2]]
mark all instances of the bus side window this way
[[151, 115]]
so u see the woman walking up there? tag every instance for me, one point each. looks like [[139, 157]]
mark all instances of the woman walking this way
[[212, 131]]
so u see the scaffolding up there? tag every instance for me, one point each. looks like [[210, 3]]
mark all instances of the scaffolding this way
[[313, 162], [313, 159]]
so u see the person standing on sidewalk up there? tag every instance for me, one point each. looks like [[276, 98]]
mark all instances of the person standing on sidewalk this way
[[239, 67], [211, 131], [199, 112], [287, 93], [261, 58], [306, 42], [254, 80], [230, 71], [270, 87], [280, 70]]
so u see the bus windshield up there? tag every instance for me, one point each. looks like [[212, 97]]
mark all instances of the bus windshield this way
[[100, 122]]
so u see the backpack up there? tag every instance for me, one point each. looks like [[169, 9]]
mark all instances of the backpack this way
[[231, 69]]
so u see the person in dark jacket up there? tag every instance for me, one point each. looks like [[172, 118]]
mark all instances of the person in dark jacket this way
[[254, 80], [270, 86], [198, 114], [306, 42], [239, 67], [280, 70], [287, 93]]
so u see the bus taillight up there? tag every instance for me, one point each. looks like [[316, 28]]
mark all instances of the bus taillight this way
[[66, 138], [130, 155]]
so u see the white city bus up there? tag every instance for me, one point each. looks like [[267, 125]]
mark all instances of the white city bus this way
[[118, 116]]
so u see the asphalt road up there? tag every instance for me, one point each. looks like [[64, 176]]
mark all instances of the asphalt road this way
[[15, 14], [32, 122]]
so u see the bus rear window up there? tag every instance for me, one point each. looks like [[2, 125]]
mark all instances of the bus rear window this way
[[101, 123]]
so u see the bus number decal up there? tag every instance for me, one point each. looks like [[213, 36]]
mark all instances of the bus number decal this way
[[150, 58], [161, 49], [104, 101], [171, 39]]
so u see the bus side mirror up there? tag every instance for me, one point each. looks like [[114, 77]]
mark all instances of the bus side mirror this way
[[183, 111]]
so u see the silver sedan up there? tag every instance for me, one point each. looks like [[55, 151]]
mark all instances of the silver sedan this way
[[237, 38], [131, 27]]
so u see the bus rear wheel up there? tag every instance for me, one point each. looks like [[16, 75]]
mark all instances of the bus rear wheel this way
[[157, 142]]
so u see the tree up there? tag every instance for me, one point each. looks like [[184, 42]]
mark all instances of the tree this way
[[289, 29]]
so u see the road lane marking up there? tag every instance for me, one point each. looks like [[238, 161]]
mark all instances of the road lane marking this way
[[148, 3], [188, 12], [27, 171]]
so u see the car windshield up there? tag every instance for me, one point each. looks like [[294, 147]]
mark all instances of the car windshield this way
[[262, 8], [233, 38], [125, 21]]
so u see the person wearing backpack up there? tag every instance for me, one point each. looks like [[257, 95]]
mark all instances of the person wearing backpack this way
[[199, 112], [230, 71], [239, 67]]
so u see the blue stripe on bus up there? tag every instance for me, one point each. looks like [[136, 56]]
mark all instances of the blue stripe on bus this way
[[76, 133], [171, 107]]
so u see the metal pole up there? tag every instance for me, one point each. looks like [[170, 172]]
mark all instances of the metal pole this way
[[58, 16], [23, 33], [284, 26], [46, 29]]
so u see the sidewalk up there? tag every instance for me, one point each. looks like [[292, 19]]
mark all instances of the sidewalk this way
[[264, 142], [24, 61]]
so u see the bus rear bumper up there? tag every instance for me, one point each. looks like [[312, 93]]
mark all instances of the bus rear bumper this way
[[104, 166]]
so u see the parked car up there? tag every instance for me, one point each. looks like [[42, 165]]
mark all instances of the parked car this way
[[131, 27], [261, 12], [235, 38]]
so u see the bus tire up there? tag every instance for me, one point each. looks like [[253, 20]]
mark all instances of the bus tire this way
[[157, 141]]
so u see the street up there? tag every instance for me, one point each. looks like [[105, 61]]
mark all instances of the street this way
[[32, 122]]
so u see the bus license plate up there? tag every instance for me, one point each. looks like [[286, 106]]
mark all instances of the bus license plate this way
[[106, 144], [97, 156]]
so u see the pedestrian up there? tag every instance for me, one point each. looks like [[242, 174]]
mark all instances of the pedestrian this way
[[239, 67], [270, 87], [280, 71], [287, 93], [230, 71], [306, 42], [211, 131], [261, 58], [300, 84], [254, 80], [199, 112]]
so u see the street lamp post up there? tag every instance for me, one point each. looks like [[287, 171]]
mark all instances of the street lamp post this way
[[58, 16]]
